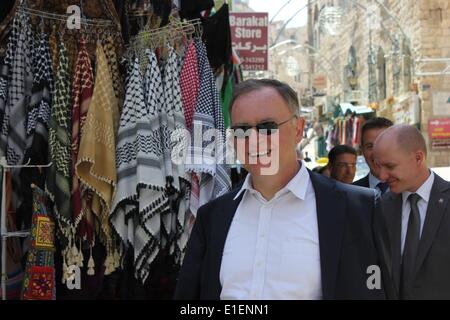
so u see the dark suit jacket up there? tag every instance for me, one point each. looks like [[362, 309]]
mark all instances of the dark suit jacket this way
[[432, 278], [344, 214], [363, 182]]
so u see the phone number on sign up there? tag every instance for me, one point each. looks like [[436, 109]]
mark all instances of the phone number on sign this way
[[254, 67]]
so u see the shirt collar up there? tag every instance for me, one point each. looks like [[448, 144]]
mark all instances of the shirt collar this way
[[424, 190], [373, 181], [297, 185]]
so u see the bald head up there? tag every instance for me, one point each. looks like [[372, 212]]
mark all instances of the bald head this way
[[407, 138]]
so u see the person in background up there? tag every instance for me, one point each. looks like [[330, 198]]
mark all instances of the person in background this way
[[412, 222], [307, 159], [369, 133], [342, 163]]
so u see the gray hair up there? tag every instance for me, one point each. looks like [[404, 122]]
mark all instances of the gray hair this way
[[284, 90]]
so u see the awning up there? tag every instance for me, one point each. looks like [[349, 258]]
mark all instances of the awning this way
[[348, 107]]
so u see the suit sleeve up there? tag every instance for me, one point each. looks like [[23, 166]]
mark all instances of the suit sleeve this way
[[188, 284]]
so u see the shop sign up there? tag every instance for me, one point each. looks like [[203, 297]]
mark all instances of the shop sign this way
[[249, 36], [439, 129]]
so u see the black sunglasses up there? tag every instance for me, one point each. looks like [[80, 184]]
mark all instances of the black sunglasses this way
[[265, 128]]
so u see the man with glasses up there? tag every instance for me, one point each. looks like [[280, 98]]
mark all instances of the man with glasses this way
[[369, 133], [285, 232], [342, 163]]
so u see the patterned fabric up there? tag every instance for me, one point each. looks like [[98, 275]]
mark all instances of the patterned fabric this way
[[141, 195], [83, 87], [19, 92], [39, 282], [53, 44], [38, 115], [5, 77], [58, 175], [96, 166], [213, 173], [189, 83], [113, 65], [178, 141]]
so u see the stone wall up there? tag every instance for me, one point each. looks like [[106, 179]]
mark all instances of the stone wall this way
[[427, 26]]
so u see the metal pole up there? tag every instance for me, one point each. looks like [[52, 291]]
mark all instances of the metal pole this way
[[3, 230]]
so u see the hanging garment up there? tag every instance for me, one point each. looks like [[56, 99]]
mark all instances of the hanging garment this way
[[217, 35], [96, 165], [191, 9], [113, 64], [173, 221], [189, 83], [19, 92], [208, 123], [39, 283], [5, 77], [38, 115], [83, 87], [53, 43], [58, 175], [141, 195], [177, 137]]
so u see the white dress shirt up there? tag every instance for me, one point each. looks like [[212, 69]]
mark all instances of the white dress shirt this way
[[272, 247], [424, 192]]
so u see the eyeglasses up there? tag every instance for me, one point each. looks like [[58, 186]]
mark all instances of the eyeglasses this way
[[265, 128], [346, 165]]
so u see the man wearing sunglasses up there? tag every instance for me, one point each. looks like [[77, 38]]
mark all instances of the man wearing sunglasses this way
[[285, 232]]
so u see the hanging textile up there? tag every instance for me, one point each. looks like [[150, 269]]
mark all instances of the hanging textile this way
[[39, 283], [113, 64], [141, 194], [96, 165], [217, 35], [59, 174], [189, 83], [19, 91], [214, 175], [175, 223], [83, 86], [38, 115]]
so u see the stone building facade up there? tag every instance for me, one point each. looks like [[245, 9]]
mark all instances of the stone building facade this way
[[390, 55]]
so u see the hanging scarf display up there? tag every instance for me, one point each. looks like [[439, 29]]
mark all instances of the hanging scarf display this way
[[208, 118], [96, 165], [38, 115], [83, 86], [58, 175], [19, 91]]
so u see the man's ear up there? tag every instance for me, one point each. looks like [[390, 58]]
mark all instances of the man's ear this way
[[300, 122], [420, 157]]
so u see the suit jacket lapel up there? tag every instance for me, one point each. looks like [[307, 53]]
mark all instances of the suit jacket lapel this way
[[393, 217], [219, 234], [331, 208], [435, 211]]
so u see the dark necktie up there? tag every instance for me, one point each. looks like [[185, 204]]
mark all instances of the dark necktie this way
[[383, 186], [410, 249]]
